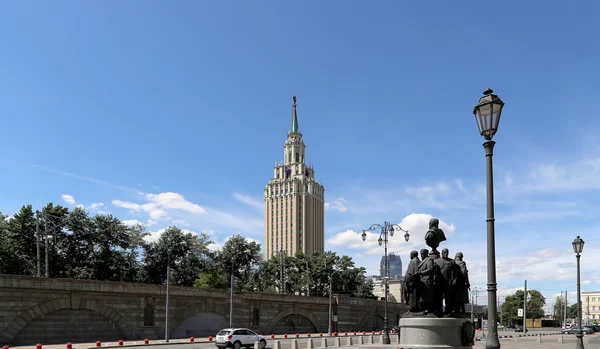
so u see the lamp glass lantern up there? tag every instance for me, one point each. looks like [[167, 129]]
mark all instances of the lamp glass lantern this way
[[380, 241], [487, 114], [406, 237], [578, 245], [391, 231], [364, 235]]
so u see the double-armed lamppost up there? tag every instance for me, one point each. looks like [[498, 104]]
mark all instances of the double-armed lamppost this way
[[578, 248], [487, 114], [387, 229]]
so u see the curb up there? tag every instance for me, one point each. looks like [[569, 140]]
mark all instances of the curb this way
[[268, 337]]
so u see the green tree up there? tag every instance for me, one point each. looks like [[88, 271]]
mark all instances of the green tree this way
[[188, 255], [559, 308], [20, 242], [111, 241], [572, 311], [14, 258], [514, 302], [238, 256], [301, 274]]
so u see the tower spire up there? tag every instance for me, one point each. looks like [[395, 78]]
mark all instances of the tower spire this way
[[294, 128]]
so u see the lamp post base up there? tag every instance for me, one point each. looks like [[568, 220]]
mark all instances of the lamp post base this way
[[579, 341], [386, 337]]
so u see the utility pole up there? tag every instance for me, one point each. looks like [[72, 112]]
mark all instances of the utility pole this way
[[472, 315], [566, 307], [587, 319], [46, 242], [525, 309], [168, 295], [501, 312], [37, 243]]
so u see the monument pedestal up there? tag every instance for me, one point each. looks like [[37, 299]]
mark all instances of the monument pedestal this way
[[432, 332]]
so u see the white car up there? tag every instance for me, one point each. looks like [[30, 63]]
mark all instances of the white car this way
[[237, 338]]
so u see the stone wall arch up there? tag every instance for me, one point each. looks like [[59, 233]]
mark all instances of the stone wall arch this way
[[12, 329], [283, 313], [191, 310], [366, 318]]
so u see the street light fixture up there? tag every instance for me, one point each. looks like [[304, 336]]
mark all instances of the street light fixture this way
[[386, 229], [578, 248], [487, 114], [233, 261]]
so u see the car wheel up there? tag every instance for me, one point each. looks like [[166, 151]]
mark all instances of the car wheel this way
[[263, 344], [237, 345]]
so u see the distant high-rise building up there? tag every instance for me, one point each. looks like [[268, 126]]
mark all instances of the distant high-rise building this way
[[395, 266], [294, 202]]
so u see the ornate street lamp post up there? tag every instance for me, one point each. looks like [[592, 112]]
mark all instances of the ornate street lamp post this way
[[386, 229], [487, 114], [578, 248]]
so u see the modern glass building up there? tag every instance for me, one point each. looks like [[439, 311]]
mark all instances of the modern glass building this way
[[395, 266]]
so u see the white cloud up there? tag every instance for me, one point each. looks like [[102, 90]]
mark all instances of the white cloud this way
[[69, 199], [95, 205], [132, 222], [217, 246], [250, 201], [160, 207], [153, 236], [416, 223], [151, 223], [180, 222], [158, 204], [338, 204], [7, 219]]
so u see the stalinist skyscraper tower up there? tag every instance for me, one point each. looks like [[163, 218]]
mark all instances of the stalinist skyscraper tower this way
[[294, 202]]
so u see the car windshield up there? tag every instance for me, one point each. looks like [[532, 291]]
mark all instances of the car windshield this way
[[223, 333], [251, 333]]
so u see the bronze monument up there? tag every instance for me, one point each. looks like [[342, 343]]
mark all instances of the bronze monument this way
[[436, 288]]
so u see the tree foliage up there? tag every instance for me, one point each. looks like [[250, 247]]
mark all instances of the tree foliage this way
[[559, 308], [102, 247], [514, 302]]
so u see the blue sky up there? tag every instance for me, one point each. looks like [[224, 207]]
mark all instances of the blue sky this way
[[162, 112]]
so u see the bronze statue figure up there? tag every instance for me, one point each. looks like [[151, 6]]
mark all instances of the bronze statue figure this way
[[427, 294], [412, 282], [447, 284], [434, 235], [462, 283]]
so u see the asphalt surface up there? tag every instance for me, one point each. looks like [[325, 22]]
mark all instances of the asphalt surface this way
[[202, 343]]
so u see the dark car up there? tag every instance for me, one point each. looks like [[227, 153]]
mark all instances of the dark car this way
[[573, 330], [519, 328]]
